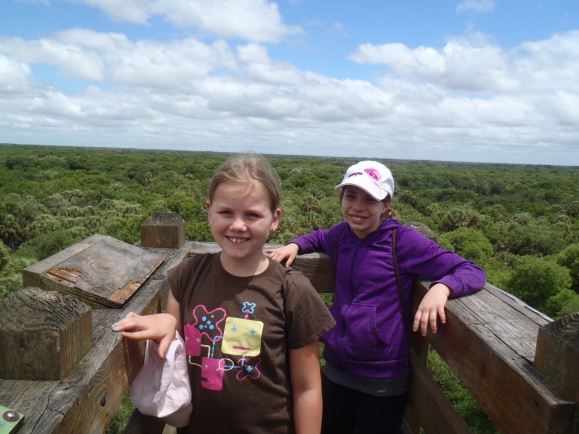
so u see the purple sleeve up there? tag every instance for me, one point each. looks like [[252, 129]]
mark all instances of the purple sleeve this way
[[311, 242], [422, 257], [320, 240]]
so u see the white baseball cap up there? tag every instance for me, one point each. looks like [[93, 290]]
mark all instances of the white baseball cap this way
[[372, 177]]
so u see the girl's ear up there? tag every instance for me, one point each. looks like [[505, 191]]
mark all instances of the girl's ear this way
[[276, 217], [208, 206]]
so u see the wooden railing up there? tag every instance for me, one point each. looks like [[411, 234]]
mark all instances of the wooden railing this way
[[522, 367]]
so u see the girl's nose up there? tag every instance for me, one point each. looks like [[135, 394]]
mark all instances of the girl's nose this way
[[358, 205], [238, 225]]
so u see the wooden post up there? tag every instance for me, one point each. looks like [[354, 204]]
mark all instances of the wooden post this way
[[43, 334], [557, 357], [163, 230]]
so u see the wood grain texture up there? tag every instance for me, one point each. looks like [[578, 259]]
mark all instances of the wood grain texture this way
[[430, 405], [557, 355], [163, 230], [31, 274], [42, 334], [87, 399], [487, 342], [103, 273]]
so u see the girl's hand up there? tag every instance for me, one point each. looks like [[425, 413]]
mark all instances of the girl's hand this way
[[160, 328], [289, 252], [431, 306]]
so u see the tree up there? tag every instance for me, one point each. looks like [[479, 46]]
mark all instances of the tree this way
[[533, 239], [4, 255], [569, 258], [459, 217], [47, 245], [536, 280], [564, 303], [469, 243]]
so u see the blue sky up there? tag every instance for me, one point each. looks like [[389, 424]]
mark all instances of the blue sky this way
[[467, 80]]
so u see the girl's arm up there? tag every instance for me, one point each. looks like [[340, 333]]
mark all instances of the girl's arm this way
[[306, 382], [452, 276], [322, 240], [160, 327]]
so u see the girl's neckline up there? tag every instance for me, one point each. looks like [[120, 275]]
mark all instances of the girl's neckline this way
[[261, 270]]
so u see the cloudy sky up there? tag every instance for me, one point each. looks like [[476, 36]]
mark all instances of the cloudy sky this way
[[463, 80]]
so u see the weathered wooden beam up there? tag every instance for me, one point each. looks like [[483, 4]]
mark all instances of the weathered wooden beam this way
[[88, 398], [43, 334], [557, 357], [486, 342], [420, 348], [104, 273], [489, 342], [163, 230], [31, 274], [429, 404]]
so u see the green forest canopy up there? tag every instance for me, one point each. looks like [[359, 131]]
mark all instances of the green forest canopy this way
[[519, 222]]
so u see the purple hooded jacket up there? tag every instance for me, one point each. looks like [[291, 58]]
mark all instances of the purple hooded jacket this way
[[369, 339]]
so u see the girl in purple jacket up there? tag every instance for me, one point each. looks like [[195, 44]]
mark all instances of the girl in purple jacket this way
[[366, 377]]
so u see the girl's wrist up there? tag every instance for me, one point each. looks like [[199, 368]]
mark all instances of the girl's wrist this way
[[443, 287], [448, 290]]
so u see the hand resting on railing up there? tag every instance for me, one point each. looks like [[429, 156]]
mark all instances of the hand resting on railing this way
[[160, 328]]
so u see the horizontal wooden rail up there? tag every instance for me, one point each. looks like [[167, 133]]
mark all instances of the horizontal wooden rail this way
[[489, 343]]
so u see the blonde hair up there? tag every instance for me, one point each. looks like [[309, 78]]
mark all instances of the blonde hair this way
[[251, 170]]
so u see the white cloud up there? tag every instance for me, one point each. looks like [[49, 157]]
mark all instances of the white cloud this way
[[460, 65], [16, 76], [73, 60], [252, 20], [476, 6], [470, 95], [113, 59]]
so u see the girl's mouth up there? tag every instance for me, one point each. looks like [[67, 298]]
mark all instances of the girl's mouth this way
[[357, 219], [236, 240]]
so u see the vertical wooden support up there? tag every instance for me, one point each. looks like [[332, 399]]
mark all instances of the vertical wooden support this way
[[419, 345], [43, 334], [557, 358], [163, 230]]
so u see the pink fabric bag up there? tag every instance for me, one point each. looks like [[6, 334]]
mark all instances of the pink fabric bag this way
[[162, 388]]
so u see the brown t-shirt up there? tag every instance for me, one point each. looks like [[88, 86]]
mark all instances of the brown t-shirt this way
[[237, 332]]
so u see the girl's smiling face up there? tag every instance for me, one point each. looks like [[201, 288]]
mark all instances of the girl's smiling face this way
[[362, 212], [241, 220]]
